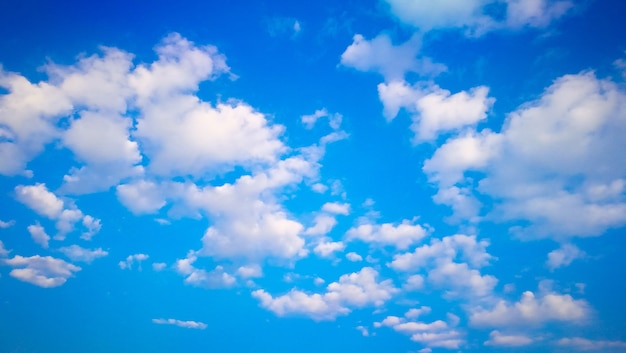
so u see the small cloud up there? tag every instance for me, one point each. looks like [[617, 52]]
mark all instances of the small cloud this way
[[7, 224], [354, 257], [77, 253], [159, 266], [128, 263], [186, 324], [283, 26]]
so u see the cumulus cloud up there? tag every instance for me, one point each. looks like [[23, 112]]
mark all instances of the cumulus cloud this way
[[334, 120], [476, 17], [6, 224], [38, 233], [141, 196], [3, 251], [380, 55], [434, 110], [185, 324], [45, 203], [131, 260], [400, 236], [216, 278], [80, 254], [353, 290], [46, 272], [556, 163], [354, 257], [564, 256], [432, 334], [498, 339], [533, 310]]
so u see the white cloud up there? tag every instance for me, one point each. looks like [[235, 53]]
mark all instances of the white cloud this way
[[327, 248], [80, 254], [380, 55], [501, 340], [38, 233], [41, 271], [39, 199], [433, 334], [216, 278], [556, 163], [141, 196], [336, 208], [6, 224], [474, 17], [414, 313], [400, 236], [185, 324], [159, 266], [564, 256], [334, 120], [583, 344], [250, 271], [45, 203], [532, 310], [28, 114], [354, 257], [323, 224], [132, 259], [364, 331], [3, 251], [357, 289]]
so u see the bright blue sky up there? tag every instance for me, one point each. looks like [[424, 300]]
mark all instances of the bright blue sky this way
[[372, 176]]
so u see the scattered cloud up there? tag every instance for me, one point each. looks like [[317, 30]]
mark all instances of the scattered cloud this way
[[498, 339], [131, 260], [583, 344], [400, 236], [80, 254], [185, 324], [38, 233], [46, 271], [564, 256]]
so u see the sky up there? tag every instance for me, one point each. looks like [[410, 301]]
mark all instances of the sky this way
[[277, 176]]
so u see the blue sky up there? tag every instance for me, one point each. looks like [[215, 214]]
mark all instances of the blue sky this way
[[373, 176]]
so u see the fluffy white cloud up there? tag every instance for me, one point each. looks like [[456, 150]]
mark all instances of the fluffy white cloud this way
[[141, 196], [41, 271], [250, 271], [334, 120], [474, 16], [45, 203], [327, 248], [498, 339], [80, 254], [392, 61], [434, 110], [28, 115], [159, 266], [357, 289], [186, 324], [533, 310], [38, 233], [583, 344], [400, 236], [323, 224], [564, 256], [433, 334], [132, 259], [336, 208], [216, 278], [557, 162], [354, 257]]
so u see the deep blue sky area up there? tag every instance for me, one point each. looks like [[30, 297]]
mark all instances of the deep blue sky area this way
[[405, 176]]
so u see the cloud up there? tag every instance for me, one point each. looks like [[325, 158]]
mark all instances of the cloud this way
[[80, 254], [217, 278], [6, 224], [554, 164], [3, 251], [141, 196], [283, 26], [357, 289], [433, 334], [38, 233], [327, 248], [45, 203], [533, 310], [498, 339], [46, 272], [131, 259], [334, 120], [476, 17], [250, 271], [336, 208], [185, 324], [564, 256], [583, 344], [159, 266], [354, 257], [381, 56], [400, 236]]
